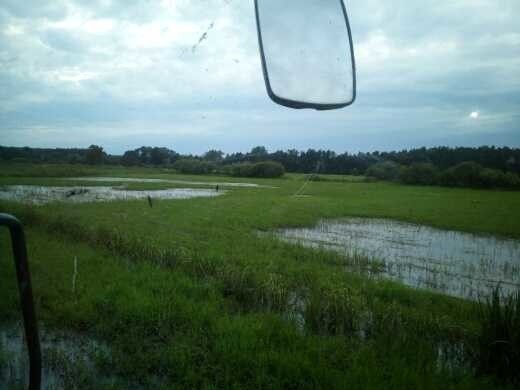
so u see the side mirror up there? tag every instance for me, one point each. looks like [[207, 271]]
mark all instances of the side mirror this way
[[307, 53]]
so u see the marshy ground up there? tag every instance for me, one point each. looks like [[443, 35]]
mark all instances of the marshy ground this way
[[83, 194], [187, 293], [460, 264]]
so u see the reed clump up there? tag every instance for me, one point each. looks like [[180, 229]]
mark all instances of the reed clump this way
[[498, 351]]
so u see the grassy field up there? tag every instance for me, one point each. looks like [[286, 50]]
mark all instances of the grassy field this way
[[187, 293]]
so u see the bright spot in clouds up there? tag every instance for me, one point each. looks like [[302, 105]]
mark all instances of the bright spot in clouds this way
[[474, 115]]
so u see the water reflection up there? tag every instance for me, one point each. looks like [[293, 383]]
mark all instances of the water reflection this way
[[42, 194], [172, 181], [455, 263], [68, 359]]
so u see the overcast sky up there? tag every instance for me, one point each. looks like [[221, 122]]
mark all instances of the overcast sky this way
[[123, 74]]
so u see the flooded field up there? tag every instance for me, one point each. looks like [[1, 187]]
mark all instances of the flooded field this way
[[454, 263], [68, 360], [42, 194], [186, 182]]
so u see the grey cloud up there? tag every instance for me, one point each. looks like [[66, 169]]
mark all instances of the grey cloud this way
[[135, 10], [422, 68], [60, 39], [44, 9], [406, 21]]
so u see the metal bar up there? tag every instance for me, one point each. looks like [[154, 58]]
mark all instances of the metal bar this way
[[26, 298]]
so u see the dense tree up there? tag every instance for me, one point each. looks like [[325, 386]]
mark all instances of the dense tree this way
[[194, 166], [162, 156], [265, 169], [385, 170], [147, 155], [131, 157], [499, 167], [419, 173], [259, 150], [465, 174], [258, 153], [214, 155], [95, 155]]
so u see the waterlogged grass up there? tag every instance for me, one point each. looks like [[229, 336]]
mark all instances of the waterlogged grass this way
[[190, 329], [70, 360], [70, 182], [499, 342], [451, 262], [186, 293], [43, 194]]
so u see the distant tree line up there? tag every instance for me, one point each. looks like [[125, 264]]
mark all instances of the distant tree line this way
[[146, 155], [465, 174], [92, 155], [485, 166]]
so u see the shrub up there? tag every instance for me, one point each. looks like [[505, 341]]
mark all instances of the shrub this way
[[512, 180], [499, 339], [265, 169], [194, 166], [466, 174], [471, 174], [241, 170], [419, 173], [492, 178], [386, 170]]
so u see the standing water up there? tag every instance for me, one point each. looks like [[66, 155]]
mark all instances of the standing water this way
[[68, 360], [102, 179], [42, 194], [455, 263]]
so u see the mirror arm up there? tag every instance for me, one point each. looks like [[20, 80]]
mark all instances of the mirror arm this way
[[26, 297]]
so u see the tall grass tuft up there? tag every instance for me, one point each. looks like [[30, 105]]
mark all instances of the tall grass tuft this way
[[333, 311], [498, 353]]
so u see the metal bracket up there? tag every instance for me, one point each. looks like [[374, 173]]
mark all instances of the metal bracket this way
[[26, 298]]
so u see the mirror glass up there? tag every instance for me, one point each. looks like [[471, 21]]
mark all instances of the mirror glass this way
[[307, 54]]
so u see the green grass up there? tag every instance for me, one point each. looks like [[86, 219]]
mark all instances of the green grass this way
[[330, 178], [64, 170], [197, 331], [499, 341], [494, 212], [188, 292]]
